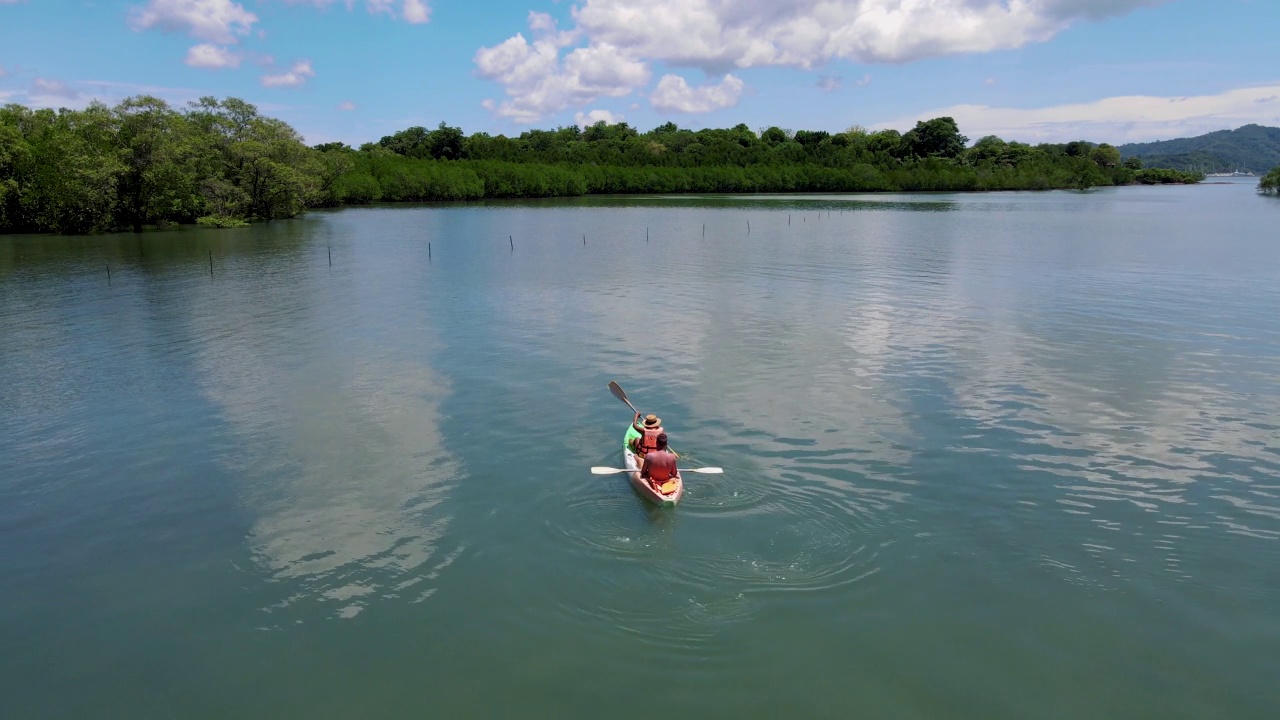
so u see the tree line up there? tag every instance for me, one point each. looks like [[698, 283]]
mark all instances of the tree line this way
[[222, 163]]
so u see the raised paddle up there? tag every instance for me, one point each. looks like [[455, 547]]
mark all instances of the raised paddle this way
[[705, 471], [618, 393]]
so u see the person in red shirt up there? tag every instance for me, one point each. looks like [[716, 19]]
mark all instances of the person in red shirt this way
[[659, 464]]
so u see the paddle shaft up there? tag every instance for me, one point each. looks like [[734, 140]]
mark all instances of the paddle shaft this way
[[610, 470]]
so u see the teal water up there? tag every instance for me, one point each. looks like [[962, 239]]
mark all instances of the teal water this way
[[986, 456]]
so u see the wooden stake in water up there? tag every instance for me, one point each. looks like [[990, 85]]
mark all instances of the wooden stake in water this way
[[748, 227], [584, 238], [788, 219], [513, 243], [330, 256], [429, 252], [646, 234], [108, 273], [210, 263], [704, 229]]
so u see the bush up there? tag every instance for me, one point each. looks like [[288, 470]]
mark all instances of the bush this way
[[1166, 176], [1270, 183], [221, 221]]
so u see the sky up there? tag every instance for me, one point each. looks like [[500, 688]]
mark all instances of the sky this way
[[355, 70]]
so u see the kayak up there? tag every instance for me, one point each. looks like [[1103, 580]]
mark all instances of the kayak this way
[[674, 488]]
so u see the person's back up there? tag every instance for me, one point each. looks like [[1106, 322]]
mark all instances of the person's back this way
[[659, 463]]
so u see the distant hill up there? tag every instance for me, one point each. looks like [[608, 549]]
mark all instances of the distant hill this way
[[1252, 147]]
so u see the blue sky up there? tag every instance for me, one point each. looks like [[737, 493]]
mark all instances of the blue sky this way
[[1032, 70]]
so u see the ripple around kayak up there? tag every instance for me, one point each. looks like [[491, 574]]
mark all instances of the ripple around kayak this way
[[621, 526]]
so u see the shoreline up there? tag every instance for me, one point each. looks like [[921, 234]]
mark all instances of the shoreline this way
[[620, 199]]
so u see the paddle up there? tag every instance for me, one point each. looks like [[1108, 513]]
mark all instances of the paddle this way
[[618, 393], [705, 470]]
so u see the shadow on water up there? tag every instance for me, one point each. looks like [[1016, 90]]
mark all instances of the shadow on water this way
[[918, 202], [155, 251]]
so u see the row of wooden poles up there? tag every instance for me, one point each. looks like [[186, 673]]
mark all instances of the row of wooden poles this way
[[511, 240]]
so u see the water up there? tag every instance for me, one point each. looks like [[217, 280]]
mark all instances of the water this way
[[1000, 455]]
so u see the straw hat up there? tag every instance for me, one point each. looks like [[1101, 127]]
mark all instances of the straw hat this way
[[652, 421]]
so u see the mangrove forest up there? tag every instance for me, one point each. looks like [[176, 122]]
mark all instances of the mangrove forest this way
[[217, 162]]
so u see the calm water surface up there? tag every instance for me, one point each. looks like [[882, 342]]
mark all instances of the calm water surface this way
[[986, 456]]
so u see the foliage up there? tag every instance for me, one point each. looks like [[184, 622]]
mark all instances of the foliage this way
[[221, 163], [1166, 176], [1270, 183], [1251, 147], [221, 221], [144, 163], [939, 138]]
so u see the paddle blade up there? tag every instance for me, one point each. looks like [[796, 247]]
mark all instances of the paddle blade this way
[[616, 389], [606, 470], [704, 471]]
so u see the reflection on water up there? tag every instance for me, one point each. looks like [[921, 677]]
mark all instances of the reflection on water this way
[[338, 419], [1126, 410]]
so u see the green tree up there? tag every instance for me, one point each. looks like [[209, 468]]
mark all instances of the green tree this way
[[988, 149], [887, 142], [1105, 156], [14, 155], [774, 136], [159, 178], [939, 137], [446, 143], [261, 169], [74, 165], [1270, 183]]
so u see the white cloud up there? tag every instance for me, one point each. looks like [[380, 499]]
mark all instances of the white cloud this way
[[53, 88], [673, 94], [538, 82], [219, 21], [989, 81], [863, 81], [720, 35], [1116, 120], [211, 56], [415, 11], [545, 27], [296, 76], [595, 116], [828, 83], [541, 22], [51, 93], [715, 34], [412, 11], [348, 105]]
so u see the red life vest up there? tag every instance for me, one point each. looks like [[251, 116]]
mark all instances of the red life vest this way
[[649, 441]]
